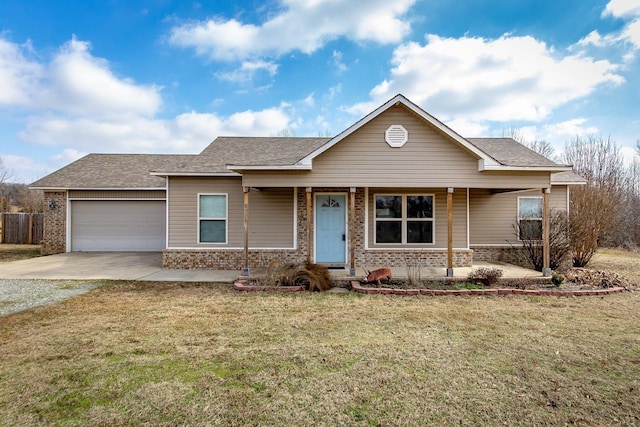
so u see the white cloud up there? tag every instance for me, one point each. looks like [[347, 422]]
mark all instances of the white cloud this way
[[300, 26], [75, 104], [502, 80], [337, 61], [19, 76], [621, 8], [624, 9], [248, 70], [567, 129], [467, 128], [83, 84]]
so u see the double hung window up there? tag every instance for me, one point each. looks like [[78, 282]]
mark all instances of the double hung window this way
[[212, 218], [404, 219], [530, 218]]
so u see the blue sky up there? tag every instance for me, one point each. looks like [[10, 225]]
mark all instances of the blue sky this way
[[163, 76]]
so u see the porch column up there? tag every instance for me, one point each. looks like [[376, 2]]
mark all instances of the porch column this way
[[245, 269], [546, 250], [352, 239], [309, 224], [450, 232]]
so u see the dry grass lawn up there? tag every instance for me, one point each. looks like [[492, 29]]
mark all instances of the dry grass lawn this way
[[11, 252], [134, 353]]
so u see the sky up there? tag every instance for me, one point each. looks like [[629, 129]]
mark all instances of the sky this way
[[164, 76]]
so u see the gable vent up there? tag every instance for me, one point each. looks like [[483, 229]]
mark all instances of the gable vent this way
[[396, 136]]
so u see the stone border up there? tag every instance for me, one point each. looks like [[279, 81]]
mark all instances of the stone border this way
[[357, 287], [240, 286]]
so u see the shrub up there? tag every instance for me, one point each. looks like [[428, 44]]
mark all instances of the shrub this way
[[558, 242], [485, 276], [314, 277], [557, 278]]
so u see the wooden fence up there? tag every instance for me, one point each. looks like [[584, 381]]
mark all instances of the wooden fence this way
[[22, 228]]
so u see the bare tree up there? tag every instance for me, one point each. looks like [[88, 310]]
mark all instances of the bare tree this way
[[595, 207], [5, 175], [286, 133], [540, 146], [31, 201]]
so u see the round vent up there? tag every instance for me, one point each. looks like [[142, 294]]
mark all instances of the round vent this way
[[396, 135]]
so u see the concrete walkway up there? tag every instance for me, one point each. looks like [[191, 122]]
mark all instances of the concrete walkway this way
[[144, 266], [147, 266]]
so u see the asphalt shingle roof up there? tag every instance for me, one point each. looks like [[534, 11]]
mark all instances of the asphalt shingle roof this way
[[112, 171], [510, 152], [134, 170]]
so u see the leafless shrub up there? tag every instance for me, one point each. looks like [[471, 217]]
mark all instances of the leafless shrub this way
[[485, 276], [558, 242], [413, 268]]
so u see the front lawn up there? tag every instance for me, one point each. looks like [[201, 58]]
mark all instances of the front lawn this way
[[133, 353], [11, 252]]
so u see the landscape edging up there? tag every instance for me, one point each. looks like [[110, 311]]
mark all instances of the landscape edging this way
[[357, 287]]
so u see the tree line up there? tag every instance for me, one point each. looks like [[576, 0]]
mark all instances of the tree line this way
[[606, 210]]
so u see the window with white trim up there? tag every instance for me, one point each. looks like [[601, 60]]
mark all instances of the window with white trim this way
[[530, 218], [404, 219], [212, 218]]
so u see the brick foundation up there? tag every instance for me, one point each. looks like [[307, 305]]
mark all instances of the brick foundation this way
[[511, 255], [54, 239]]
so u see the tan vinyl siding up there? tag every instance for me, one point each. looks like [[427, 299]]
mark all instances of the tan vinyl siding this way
[[428, 159], [271, 218], [270, 213], [440, 216], [492, 216], [117, 194]]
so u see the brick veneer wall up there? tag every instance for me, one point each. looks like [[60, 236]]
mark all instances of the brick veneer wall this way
[[55, 223], [233, 259]]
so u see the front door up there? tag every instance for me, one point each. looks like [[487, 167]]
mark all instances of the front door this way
[[330, 233]]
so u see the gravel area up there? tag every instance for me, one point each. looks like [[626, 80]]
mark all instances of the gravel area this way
[[18, 295]]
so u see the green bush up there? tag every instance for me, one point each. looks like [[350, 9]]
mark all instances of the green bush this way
[[557, 278]]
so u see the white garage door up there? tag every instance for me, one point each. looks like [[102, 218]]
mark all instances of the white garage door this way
[[118, 225]]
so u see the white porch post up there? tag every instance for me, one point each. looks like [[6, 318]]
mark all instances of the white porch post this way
[[546, 250]]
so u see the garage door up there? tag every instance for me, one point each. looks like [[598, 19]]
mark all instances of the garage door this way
[[118, 225]]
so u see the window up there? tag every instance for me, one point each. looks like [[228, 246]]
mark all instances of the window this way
[[404, 219], [212, 218], [530, 218]]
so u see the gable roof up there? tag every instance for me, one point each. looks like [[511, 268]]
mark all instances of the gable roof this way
[[492, 153], [306, 161], [229, 156]]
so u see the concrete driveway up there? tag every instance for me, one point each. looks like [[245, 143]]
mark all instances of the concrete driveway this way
[[144, 266]]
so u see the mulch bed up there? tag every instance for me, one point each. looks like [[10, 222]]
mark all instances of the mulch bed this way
[[578, 282]]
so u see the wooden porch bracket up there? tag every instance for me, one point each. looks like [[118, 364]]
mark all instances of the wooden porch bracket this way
[[546, 254], [245, 269], [450, 232], [309, 193], [352, 239]]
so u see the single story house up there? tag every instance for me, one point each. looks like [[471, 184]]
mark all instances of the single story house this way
[[397, 186]]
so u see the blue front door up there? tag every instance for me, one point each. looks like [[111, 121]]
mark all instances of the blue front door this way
[[330, 229]]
